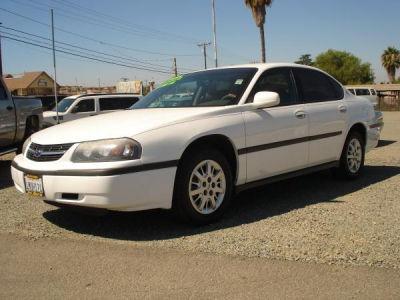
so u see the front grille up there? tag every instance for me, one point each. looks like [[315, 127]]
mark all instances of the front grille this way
[[38, 152]]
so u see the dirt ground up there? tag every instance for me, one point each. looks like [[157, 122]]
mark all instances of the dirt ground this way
[[326, 227]]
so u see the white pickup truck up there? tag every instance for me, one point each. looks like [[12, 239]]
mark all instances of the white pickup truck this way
[[86, 105], [19, 118]]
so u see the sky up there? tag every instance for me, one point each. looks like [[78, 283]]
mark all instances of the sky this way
[[148, 34]]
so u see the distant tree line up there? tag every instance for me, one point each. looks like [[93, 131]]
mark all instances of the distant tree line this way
[[344, 66], [349, 69]]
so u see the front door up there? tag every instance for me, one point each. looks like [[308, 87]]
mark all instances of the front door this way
[[276, 137], [7, 118], [83, 108]]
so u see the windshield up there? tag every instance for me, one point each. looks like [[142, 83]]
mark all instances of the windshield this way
[[208, 88], [64, 104]]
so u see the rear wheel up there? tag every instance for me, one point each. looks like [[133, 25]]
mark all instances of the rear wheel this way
[[352, 158], [203, 187]]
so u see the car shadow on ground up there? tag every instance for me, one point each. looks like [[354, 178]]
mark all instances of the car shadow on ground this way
[[384, 143], [247, 207], [5, 174]]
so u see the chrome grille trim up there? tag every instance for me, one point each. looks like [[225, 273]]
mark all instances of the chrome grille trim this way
[[38, 152]]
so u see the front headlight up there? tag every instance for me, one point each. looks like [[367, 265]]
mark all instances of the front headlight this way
[[107, 150], [25, 145]]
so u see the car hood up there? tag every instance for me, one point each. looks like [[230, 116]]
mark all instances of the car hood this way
[[126, 123], [51, 114]]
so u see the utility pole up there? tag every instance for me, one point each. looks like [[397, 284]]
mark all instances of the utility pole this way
[[214, 33], [54, 65], [204, 46], [175, 67], [1, 59]]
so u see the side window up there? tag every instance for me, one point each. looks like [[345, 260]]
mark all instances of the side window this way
[[86, 105], [279, 81], [315, 86], [352, 91], [362, 92], [116, 103], [373, 92], [3, 93]]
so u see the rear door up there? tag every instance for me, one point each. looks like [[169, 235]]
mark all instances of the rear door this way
[[327, 111], [276, 137], [7, 118]]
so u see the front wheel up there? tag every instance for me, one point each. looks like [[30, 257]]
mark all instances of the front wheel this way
[[352, 158], [203, 188]]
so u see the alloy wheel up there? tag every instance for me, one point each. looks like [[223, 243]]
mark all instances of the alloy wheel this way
[[354, 155], [207, 187]]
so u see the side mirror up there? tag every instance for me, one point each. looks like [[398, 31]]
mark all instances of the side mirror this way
[[266, 99]]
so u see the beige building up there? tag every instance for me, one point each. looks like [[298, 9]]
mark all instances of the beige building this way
[[30, 84]]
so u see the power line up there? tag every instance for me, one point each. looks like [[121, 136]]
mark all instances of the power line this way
[[76, 51], [137, 61], [92, 39], [79, 47], [93, 21], [87, 57], [121, 21]]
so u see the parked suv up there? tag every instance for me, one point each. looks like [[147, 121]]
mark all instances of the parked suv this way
[[234, 128], [81, 106], [19, 118]]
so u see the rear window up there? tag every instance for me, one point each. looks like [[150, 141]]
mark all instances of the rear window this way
[[117, 103], [315, 86], [362, 92]]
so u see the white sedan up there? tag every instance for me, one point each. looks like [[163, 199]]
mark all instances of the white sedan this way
[[194, 142]]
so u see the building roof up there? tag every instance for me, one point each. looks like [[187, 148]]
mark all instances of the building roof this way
[[387, 87], [382, 87], [24, 81]]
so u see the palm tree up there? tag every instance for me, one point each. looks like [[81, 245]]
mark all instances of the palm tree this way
[[258, 9], [391, 62]]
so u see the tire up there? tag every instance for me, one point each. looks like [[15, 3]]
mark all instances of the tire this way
[[211, 191], [352, 159]]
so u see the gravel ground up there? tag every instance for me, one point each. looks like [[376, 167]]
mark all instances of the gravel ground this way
[[312, 218]]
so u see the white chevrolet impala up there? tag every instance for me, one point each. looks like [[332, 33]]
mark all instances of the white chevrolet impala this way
[[192, 143]]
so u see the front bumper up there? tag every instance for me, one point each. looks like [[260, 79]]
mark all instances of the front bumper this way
[[133, 189]]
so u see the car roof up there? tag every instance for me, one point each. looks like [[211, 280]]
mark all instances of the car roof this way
[[358, 87], [261, 66], [121, 95], [265, 66]]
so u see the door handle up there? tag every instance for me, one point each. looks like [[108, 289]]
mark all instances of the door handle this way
[[9, 107], [300, 114], [342, 109]]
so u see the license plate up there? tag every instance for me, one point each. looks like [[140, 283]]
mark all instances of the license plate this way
[[33, 185]]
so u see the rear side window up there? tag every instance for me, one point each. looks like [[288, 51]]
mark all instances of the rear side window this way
[[279, 81], [315, 86], [362, 92], [86, 105], [117, 103]]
